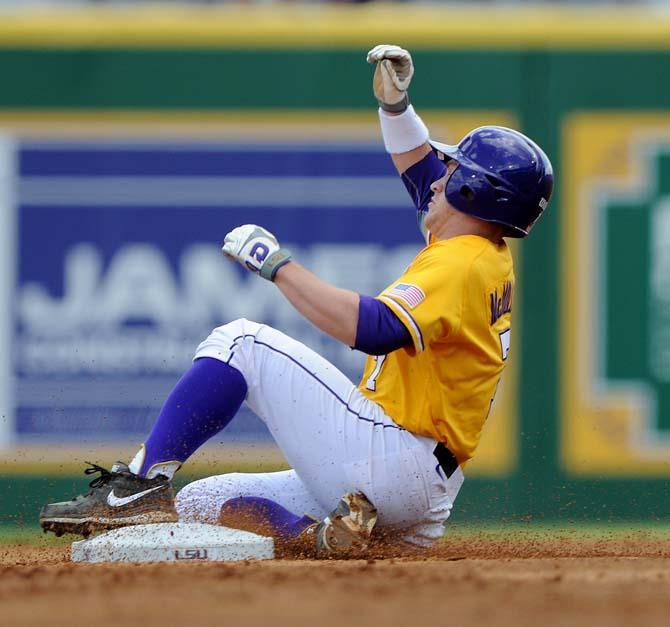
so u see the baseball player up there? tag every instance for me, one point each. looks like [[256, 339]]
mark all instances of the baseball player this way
[[390, 451]]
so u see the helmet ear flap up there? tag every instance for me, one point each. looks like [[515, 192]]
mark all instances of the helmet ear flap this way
[[500, 191], [467, 193]]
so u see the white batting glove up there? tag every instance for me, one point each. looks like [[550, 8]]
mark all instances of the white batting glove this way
[[256, 249], [393, 74]]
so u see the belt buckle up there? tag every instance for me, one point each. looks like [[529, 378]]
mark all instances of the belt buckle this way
[[446, 459]]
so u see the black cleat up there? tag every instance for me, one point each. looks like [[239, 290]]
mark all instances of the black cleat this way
[[117, 498], [347, 528]]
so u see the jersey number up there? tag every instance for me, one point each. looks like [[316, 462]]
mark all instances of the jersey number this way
[[371, 383], [505, 341]]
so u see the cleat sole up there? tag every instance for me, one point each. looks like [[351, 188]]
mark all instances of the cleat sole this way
[[87, 526]]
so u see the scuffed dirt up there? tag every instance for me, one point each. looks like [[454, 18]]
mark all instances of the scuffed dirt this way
[[480, 580]]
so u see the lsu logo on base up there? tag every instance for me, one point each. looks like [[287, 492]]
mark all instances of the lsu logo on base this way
[[190, 554]]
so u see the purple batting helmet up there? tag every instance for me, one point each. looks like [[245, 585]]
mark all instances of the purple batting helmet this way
[[502, 176]]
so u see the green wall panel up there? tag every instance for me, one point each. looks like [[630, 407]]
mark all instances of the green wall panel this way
[[200, 79], [605, 80]]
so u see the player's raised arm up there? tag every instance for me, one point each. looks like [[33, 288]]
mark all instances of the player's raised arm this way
[[405, 134]]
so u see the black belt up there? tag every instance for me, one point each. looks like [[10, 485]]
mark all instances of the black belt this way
[[446, 458]]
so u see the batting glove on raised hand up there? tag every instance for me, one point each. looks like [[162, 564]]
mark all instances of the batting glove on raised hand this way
[[393, 74], [256, 249]]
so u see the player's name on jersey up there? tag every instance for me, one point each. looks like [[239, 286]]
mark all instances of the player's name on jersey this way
[[501, 302]]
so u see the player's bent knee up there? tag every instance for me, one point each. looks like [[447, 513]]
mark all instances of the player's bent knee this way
[[226, 340], [232, 331]]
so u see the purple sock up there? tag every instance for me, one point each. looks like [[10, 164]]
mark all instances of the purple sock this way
[[202, 403], [283, 523]]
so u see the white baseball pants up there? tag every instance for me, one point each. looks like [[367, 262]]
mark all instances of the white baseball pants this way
[[335, 439]]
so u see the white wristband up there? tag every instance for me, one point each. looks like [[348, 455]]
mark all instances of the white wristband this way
[[403, 132]]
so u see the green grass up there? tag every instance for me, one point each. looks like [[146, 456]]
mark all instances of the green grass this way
[[561, 529], [32, 535]]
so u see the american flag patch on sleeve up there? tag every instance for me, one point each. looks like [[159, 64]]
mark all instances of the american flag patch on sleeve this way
[[410, 294]]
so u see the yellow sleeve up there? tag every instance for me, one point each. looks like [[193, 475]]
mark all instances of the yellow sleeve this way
[[428, 297]]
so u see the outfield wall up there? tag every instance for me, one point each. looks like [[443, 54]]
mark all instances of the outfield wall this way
[[115, 121]]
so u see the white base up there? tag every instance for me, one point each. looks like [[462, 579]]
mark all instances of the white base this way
[[173, 542]]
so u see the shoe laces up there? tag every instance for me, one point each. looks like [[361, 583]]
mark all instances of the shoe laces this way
[[103, 479]]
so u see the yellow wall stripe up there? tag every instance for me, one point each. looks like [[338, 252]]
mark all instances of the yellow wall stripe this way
[[357, 26]]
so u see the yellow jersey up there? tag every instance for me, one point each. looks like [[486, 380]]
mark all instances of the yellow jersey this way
[[455, 299]]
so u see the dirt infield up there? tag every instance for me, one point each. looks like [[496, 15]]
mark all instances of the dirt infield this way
[[484, 580]]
